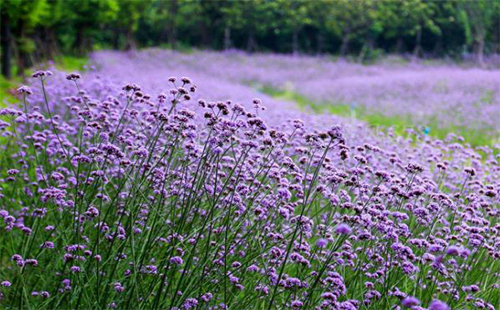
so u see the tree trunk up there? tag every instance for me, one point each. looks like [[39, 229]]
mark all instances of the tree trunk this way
[[345, 45], [172, 38], [399, 45], [295, 42], [130, 42], [22, 61], [227, 38], [6, 47], [22, 57], [418, 43], [205, 34], [40, 53], [251, 46], [479, 50], [79, 45], [171, 26], [438, 47], [116, 38], [367, 49], [320, 43], [52, 43]]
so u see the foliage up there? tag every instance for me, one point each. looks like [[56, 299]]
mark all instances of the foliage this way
[[363, 27]]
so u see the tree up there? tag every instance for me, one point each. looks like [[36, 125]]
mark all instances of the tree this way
[[6, 42], [294, 16], [319, 12], [127, 21], [162, 18], [86, 17], [250, 17], [50, 23], [349, 19], [409, 18], [373, 28], [477, 17], [21, 18]]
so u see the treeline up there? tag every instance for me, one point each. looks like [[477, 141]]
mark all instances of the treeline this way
[[37, 30]]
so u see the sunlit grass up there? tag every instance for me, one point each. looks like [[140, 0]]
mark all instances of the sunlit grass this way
[[8, 86], [71, 63], [7, 90]]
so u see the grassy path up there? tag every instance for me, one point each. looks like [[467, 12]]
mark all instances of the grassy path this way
[[400, 123]]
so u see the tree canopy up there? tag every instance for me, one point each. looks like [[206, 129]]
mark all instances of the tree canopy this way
[[36, 30]]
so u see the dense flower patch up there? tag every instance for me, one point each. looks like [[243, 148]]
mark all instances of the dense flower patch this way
[[447, 95], [115, 198]]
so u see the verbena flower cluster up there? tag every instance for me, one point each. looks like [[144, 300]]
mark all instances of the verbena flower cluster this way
[[111, 197]]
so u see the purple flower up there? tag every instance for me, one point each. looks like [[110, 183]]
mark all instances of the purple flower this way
[[343, 229], [5, 283], [410, 301], [118, 287], [45, 294], [16, 257], [453, 250], [297, 304], [329, 295], [176, 260], [26, 230], [206, 297], [31, 261], [231, 181], [25, 90], [190, 303], [73, 76], [321, 243], [12, 171], [438, 305]]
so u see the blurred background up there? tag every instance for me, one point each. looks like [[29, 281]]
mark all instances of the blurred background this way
[[36, 31]]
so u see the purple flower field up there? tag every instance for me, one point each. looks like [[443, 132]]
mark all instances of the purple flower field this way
[[163, 180], [449, 95]]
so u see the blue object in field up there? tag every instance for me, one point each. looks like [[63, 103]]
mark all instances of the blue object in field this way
[[427, 130]]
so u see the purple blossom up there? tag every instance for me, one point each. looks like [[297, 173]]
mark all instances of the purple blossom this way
[[453, 250], [45, 294], [410, 301], [343, 229], [5, 283], [438, 305], [118, 287], [321, 243], [176, 260]]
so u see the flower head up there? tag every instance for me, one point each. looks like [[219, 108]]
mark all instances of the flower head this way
[[343, 229], [438, 305], [410, 301], [5, 283], [25, 90]]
